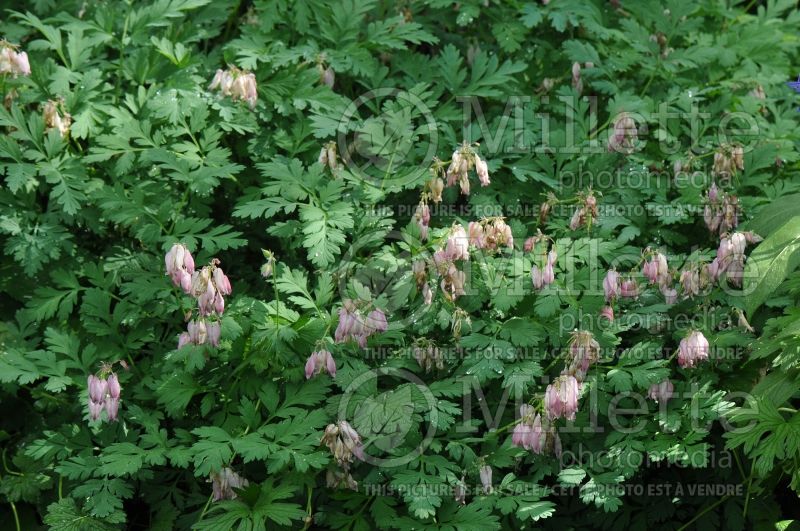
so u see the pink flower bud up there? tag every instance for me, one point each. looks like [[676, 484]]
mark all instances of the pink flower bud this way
[[537, 437], [690, 283], [611, 285], [751, 237], [693, 348], [183, 340], [219, 304], [529, 243], [22, 64], [185, 281], [224, 483], [724, 250], [222, 282], [607, 312], [97, 389], [629, 289], [213, 330], [437, 187], [188, 261], [427, 294], [738, 243], [548, 274], [330, 363], [475, 230], [650, 271], [328, 77], [561, 398], [198, 333], [457, 246], [114, 388], [670, 294], [112, 406], [713, 193], [661, 392], [318, 362], [95, 408], [482, 170], [376, 320], [662, 268], [342, 332], [217, 81], [485, 473], [578, 219], [311, 365], [518, 435], [537, 277]]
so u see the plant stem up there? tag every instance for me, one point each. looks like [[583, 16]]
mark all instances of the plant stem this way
[[16, 516], [704, 511]]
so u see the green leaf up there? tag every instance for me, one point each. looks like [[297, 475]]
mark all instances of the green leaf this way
[[770, 263], [64, 515]]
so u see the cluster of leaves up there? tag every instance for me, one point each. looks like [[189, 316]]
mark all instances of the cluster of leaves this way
[[154, 158]]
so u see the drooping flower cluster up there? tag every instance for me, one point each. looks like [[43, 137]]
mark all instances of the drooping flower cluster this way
[[730, 256], [546, 275], [224, 482], [422, 217], [690, 282], [13, 62], [692, 349], [615, 286], [345, 443], [104, 393], [436, 187], [336, 478], [490, 234], [419, 268], [661, 392], [428, 355], [727, 160], [209, 286], [268, 266], [535, 433], [464, 159], [456, 248], [236, 83], [721, 213], [320, 361], [353, 325], [625, 135], [55, 117], [200, 331], [584, 350], [328, 157], [561, 397], [586, 213], [180, 266]]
